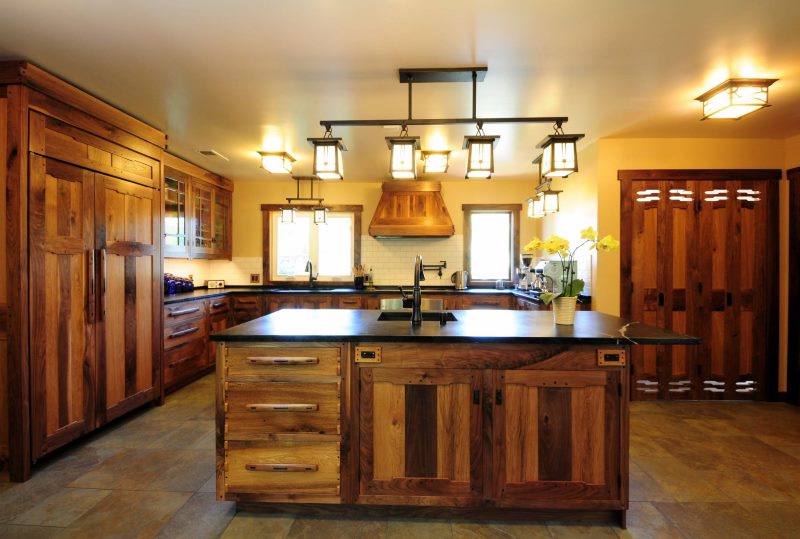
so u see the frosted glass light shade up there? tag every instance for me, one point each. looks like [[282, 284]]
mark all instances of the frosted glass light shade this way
[[735, 98], [403, 161], [480, 156], [559, 155], [435, 162], [276, 162], [328, 158]]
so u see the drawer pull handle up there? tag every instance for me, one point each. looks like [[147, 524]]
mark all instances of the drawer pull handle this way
[[216, 305], [283, 360], [282, 467], [283, 407], [183, 332], [184, 311]]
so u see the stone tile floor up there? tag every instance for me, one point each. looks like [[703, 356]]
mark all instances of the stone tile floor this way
[[701, 470]]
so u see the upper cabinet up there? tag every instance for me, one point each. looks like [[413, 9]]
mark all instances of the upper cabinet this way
[[197, 211]]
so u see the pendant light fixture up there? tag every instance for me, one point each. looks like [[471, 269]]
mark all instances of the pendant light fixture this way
[[559, 154], [480, 154], [536, 207], [276, 162], [287, 215], [735, 98], [320, 216], [328, 156], [435, 162], [403, 161]]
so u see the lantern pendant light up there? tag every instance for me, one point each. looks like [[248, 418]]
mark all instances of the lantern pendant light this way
[[328, 156], [435, 162], [536, 207], [320, 216], [287, 215], [559, 154], [480, 155], [735, 98], [403, 161], [276, 162]]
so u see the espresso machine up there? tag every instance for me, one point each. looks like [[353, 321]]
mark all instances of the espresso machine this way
[[524, 277]]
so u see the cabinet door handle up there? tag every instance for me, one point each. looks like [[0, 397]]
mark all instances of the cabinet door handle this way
[[103, 283], [90, 291], [283, 407], [282, 467], [283, 360], [661, 299], [184, 311], [183, 332], [476, 396], [498, 397], [729, 299]]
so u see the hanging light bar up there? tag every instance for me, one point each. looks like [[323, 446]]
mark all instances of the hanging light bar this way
[[403, 162], [559, 154], [328, 156], [276, 162], [435, 162], [735, 98]]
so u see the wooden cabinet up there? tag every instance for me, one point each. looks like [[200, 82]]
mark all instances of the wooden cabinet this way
[[484, 301], [200, 226], [698, 257], [281, 427], [350, 301], [315, 301], [185, 338], [420, 435], [247, 307], [276, 302], [219, 319]]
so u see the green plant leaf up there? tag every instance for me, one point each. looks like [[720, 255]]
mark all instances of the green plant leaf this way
[[574, 288], [547, 297]]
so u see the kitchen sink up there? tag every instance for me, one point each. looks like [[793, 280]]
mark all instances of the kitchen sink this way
[[405, 316], [397, 304]]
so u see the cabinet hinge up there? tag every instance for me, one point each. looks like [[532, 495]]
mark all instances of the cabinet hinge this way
[[498, 397]]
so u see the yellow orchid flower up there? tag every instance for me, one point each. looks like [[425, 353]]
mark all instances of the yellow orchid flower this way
[[554, 244], [589, 234], [608, 243], [534, 245]]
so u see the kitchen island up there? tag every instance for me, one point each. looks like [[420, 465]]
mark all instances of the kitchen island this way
[[496, 414]]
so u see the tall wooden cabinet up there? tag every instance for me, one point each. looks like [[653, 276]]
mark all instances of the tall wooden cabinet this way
[[82, 252], [700, 256]]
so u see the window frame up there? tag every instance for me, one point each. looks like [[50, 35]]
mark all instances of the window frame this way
[[514, 211], [267, 211]]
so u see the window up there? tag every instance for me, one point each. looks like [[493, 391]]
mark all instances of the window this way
[[333, 248], [491, 241]]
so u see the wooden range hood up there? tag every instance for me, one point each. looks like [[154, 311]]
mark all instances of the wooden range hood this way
[[413, 209]]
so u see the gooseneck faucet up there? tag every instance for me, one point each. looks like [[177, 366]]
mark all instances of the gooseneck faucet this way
[[416, 307], [311, 277]]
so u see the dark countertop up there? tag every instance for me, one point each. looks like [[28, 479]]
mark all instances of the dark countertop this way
[[472, 326], [201, 293]]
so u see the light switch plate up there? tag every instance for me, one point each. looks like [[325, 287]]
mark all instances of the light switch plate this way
[[368, 354], [611, 357]]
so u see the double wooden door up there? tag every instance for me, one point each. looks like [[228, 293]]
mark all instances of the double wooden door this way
[[700, 257], [93, 332]]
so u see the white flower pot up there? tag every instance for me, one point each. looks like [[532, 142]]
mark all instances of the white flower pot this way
[[564, 310]]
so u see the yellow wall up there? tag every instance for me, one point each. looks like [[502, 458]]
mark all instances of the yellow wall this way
[[248, 197]]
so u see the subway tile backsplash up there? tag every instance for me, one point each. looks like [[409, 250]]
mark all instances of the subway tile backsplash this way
[[392, 260]]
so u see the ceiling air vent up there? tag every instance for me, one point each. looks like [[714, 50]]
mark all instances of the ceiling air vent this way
[[213, 154]]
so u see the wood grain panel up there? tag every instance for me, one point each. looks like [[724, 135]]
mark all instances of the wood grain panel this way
[[588, 435], [389, 424], [265, 362], [555, 435], [420, 431], [452, 433], [114, 334], [521, 433]]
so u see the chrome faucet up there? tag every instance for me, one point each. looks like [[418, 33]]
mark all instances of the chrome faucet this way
[[311, 277], [416, 307]]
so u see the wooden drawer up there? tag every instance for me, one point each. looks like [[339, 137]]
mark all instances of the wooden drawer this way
[[183, 333], [350, 302], [246, 308], [178, 313], [184, 361], [484, 302], [218, 305], [271, 361], [283, 468], [256, 409]]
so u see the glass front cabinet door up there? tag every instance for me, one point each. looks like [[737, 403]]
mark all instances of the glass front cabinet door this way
[[176, 233]]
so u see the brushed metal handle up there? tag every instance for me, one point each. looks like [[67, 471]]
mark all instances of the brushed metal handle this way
[[103, 283], [283, 407], [183, 332], [215, 305], [282, 467], [255, 360], [184, 311]]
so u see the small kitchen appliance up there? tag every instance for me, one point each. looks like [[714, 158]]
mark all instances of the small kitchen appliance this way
[[459, 279]]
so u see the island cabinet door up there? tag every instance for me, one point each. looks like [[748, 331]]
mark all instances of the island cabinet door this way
[[420, 436], [557, 438]]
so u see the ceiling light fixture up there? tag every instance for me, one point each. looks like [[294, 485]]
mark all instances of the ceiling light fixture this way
[[435, 162], [276, 162], [480, 163], [288, 213], [735, 98], [536, 207], [559, 154], [549, 196], [320, 216], [480, 154], [403, 161], [328, 156]]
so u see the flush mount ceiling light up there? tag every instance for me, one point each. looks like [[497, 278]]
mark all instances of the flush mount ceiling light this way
[[559, 154], [328, 156], [435, 162], [276, 162], [403, 162], [735, 98], [480, 154], [480, 163]]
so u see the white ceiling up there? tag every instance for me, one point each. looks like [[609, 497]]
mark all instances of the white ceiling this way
[[239, 75]]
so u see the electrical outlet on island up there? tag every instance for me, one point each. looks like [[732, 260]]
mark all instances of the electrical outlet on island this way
[[255, 278]]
